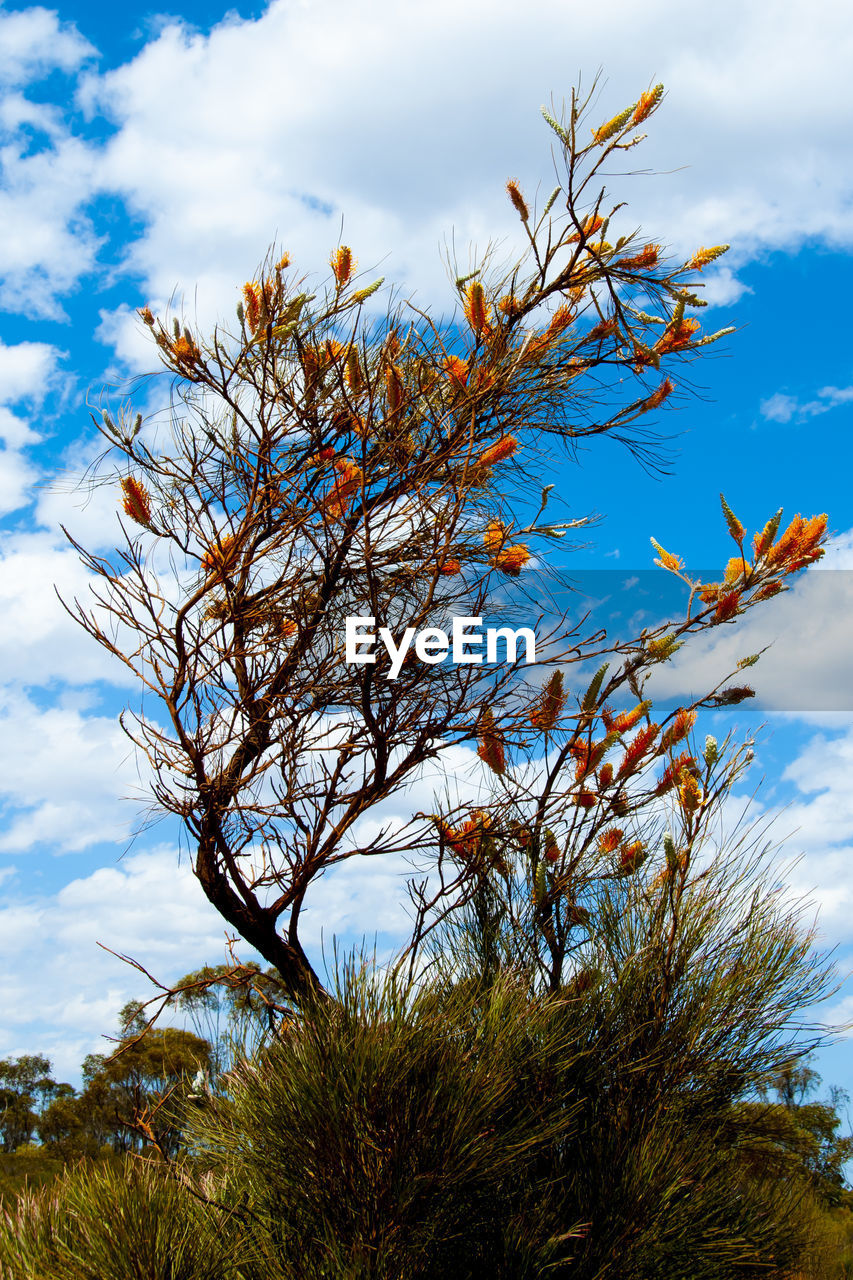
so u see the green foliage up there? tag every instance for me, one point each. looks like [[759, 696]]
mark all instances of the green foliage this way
[[114, 1224], [386, 1134]]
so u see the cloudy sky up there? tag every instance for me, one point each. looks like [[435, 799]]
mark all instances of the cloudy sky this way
[[149, 155]]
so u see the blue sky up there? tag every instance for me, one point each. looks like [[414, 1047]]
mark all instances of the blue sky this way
[[148, 153]]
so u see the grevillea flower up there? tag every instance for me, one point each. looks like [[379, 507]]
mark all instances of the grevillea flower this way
[[518, 203], [671, 775], [593, 222], [643, 259], [343, 265], [491, 748], [456, 370], [609, 841], [637, 749], [727, 606], [689, 792], [185, 351], [219, 557], [550, 848], [355, 379], [657, 398], [393, 388], [799, 544], [502, 449], [604, 329], [251, 305], [476, 308], [347, 484], [647, 103], [733, 525], [631, 857], [734, 571], [677, 336], [465, 841], [549, 706], [584, 799], [334, 350], [512, 559], [682, 723], [136, 501], [449, 568], [605, 776], [494, 536], [703, 256], [667, 560], [626, 720]]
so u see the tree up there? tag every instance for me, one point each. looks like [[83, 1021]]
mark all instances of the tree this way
[[26, 1086], [323, 465]]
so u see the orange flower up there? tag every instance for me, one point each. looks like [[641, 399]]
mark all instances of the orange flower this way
[[185, 351], [682, 723], [450, 567], [584, 799], [727, 606], [347, 484], [393, 388], [491, 748], [657, 398], [667, 560], [512, 559], [647, 103], [637, 749], [799, 544], [626, 720], [502, 449], [219, 557], [343, 265], [252, 305], [703, 256], [671, 775], [518, 202], [604, 329], [631, 857], [321, 458], [476, 308], [605, 776], [136, 503], [609, 841], [646, 257], [549, 707], [677, 336], [593, 222], [465, 841], [689, 792], [456, 370], [495, 536]]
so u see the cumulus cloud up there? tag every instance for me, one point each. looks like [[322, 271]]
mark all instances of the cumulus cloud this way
[[355, 130], [34, 42], [781, 407]]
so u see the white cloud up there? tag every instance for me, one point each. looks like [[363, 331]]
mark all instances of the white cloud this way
[[65, 777], [67, 994], [33, 42], [378, 117], [781, 407]]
